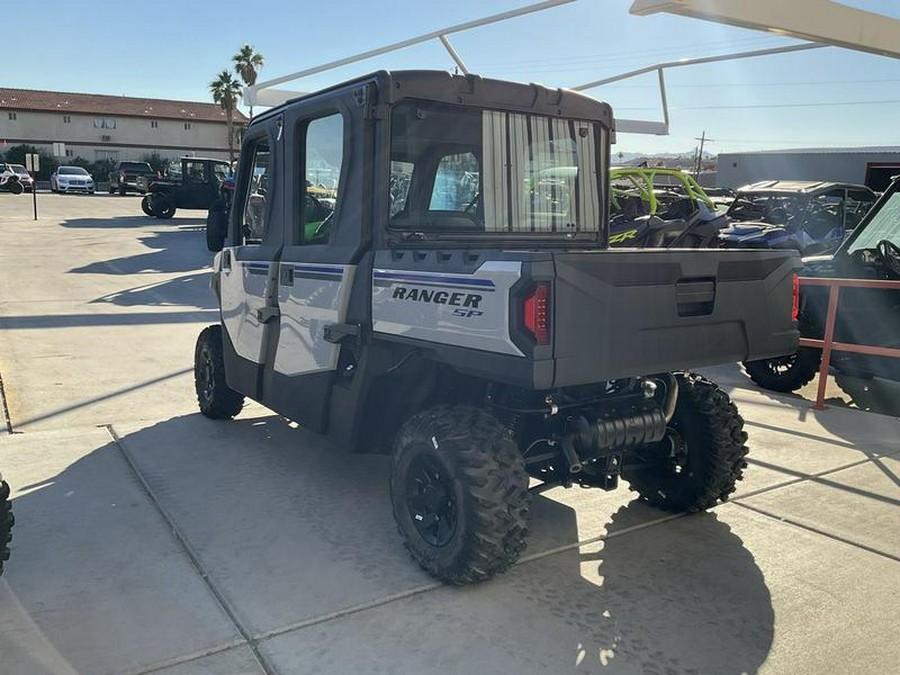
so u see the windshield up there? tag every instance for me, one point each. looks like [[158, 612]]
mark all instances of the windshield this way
[[72, 171], [466, 169], [885, 224], [135, 166], [18, 168]]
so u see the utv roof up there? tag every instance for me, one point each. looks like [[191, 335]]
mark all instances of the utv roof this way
[[803, 187], [442, 86]]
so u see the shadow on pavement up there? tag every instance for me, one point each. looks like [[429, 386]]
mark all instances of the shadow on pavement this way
[[293, 531], [191, 289], [180, 250], [125, 222]]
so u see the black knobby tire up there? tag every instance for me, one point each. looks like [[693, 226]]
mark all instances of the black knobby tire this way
[[709, 441], [785, 373], [461, 463], [16, 187], [161, 205], [145, 205], [217, 400], [7, 520], [111, 189], [216, 226]]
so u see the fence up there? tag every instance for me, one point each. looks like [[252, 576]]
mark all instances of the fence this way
[[828, 345]]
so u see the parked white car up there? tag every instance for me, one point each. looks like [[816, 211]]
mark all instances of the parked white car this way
[[9, 179], [71, 179]]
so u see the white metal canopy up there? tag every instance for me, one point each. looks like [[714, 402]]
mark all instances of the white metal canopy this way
[[822, 21]]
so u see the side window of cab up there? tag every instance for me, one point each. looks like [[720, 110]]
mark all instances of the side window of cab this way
[[323, 156], [256, 205]]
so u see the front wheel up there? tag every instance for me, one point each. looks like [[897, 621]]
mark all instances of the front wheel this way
[[217, 400], [702, 457], [6, 523], [145, 205], [161, 206], [785, 373], [460, 493]]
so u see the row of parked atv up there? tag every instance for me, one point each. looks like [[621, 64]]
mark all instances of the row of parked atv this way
[[823, 221], [666, 208]]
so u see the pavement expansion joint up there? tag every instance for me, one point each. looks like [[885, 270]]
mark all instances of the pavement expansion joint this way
[[818, 530], [5, 406], [182, 540]]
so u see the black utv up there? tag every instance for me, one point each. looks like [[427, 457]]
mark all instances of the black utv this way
[[865, 316], [192, 183], [440, 313]]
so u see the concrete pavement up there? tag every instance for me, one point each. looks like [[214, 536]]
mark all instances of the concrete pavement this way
[[150, 539]]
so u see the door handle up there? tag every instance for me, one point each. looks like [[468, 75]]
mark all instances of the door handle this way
[[226, 261]]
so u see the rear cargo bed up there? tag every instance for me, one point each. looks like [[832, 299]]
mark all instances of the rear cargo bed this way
[[623, 313]]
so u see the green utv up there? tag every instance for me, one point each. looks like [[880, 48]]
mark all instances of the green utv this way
[[443, 312]]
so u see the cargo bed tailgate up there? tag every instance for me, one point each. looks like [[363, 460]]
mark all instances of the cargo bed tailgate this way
[[622, 313]]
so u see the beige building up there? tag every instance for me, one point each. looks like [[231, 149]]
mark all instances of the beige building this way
[[97, 127]]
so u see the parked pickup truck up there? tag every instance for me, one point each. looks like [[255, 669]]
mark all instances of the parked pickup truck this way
[[479, 334], [125, 177]]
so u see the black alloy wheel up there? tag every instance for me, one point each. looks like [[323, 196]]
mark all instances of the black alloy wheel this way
[[431, 500]]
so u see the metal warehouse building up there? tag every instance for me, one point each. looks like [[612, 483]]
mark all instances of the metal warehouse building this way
[[866, 166]]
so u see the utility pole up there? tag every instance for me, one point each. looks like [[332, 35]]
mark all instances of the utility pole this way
[[702, 140]]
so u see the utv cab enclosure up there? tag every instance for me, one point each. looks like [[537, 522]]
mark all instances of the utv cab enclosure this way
[[440, 310]]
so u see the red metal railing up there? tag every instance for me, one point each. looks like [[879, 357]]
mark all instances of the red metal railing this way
[[828, 344]]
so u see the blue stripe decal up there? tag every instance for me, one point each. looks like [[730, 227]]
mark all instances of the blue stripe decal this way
[[319, 269], [436, 279]]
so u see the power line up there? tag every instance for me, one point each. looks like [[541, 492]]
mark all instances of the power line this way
[[773, 105], [722, 85]]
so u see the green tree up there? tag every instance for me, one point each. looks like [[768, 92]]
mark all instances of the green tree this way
[[16, 155], [225, 91], [156, 161], [247, 64]]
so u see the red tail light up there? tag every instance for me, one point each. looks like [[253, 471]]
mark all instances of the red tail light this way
[[536, 310], [795, 307]]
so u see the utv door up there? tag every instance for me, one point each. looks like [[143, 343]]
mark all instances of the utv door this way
[[196, 181], [322, 242], [248, 261]]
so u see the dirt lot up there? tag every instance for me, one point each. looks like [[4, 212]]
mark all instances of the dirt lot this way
[[150, 539]]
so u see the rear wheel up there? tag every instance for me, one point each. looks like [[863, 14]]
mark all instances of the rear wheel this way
[[7, 520], [460, 493], [702, 457], [16, 187], [785, 373], [217, 400], [111, 189]]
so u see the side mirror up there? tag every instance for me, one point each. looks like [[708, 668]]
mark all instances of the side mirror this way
[[216, 226]]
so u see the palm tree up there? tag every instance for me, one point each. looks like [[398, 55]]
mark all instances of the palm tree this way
[[247, 64], [226, 91]]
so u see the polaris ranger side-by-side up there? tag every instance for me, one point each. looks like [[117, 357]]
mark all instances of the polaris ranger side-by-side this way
[[442, 312]]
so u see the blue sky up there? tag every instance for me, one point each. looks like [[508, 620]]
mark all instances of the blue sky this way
[[168, 49]]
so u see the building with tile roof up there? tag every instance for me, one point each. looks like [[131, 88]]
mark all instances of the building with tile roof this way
[[97, 127]]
